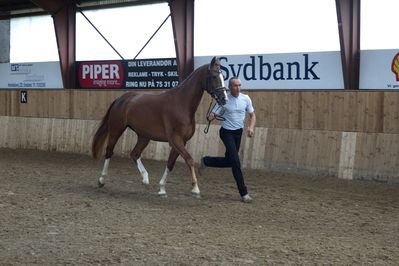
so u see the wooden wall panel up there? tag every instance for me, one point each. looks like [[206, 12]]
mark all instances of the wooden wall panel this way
[[294, 109], [377, 157], [336, 105], [9, 99], [348, 155], [391, 112], [254, 149], [369, 112], [292, 150], [200, 116], [308, 110], [350, 111], [312, 151], [350, 114]]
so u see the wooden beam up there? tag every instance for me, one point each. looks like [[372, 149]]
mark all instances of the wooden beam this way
[[64, 17], [348, 15], [65, 28], [182, 13]]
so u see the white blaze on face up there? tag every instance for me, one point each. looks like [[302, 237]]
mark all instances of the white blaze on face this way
[[221, 79], [222, 82]]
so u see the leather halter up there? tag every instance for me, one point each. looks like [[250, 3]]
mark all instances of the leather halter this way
[[216, 93]]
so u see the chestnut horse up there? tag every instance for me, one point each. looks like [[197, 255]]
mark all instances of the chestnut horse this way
[[167, 117]]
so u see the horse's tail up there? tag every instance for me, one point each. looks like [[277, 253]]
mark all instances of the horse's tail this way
[[101, 135]]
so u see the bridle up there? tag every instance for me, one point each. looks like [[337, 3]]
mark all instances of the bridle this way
[[219, 94]]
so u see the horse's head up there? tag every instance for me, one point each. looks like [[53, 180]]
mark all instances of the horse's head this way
[[215, 82]]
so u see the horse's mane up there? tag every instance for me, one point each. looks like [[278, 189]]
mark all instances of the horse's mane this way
[[186, 80]]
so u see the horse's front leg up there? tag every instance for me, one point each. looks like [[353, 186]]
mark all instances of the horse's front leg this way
[[143, 172], [135, 155], [169, 167], [179, 145], [195, 190]]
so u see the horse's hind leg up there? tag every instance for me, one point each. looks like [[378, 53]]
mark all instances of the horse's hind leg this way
[[104, 173], [135, 155], [109, 151], [171, 163]]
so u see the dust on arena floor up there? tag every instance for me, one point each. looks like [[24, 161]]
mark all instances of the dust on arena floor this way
[[52, 212]]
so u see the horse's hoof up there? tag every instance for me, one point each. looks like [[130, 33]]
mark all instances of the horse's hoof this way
[[162, 194], [100, 185], [145, 182], [196, 195], [195, 192]]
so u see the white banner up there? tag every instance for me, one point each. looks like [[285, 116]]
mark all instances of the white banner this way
[[41, 75], [316, 70], [379, 69]]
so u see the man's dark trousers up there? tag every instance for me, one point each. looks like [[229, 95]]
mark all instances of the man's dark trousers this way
[[231, 140]]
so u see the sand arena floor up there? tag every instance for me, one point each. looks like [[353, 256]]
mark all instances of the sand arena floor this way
[[53, 213]]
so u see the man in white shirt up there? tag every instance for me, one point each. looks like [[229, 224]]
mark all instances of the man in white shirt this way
[[233, 114]]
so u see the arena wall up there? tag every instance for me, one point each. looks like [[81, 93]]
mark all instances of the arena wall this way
[[344, 134]]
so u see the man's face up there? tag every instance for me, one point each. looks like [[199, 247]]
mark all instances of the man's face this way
[[235, 87]]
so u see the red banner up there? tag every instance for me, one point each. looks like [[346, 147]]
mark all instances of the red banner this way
[[106, 74]]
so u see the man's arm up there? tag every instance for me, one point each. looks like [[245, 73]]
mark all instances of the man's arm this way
[[251, 127], [215, 113]]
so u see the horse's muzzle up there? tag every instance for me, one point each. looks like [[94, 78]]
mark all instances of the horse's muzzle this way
[[220, 95]]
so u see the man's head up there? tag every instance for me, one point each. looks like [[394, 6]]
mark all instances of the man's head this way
[[235, 86]]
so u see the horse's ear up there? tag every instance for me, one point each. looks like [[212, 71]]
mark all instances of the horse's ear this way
[[215, 64], [214, 59]]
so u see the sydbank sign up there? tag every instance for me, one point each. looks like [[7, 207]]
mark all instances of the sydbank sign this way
[[316, 70]]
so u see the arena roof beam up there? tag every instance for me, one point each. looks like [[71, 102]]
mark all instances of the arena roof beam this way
[[182, 12], [63, 12], [93, 5], [65, 29], [348, 14], [64, 17]]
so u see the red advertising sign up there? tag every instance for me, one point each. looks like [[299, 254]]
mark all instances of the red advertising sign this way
[[140, 74], [106, 74]]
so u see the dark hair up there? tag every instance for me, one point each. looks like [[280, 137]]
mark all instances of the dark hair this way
[[232, 78]]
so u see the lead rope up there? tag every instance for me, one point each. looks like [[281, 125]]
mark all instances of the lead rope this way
[[206, 129]]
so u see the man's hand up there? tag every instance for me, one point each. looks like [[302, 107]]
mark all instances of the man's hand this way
[[250, 132], [252, 123], [211, 116]]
